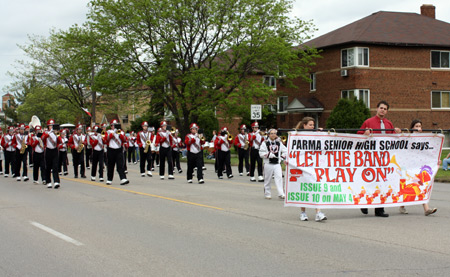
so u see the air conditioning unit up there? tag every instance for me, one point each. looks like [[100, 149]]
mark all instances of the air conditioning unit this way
[[344, 73]]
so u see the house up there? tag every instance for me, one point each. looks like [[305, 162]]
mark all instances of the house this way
[[402, 58]]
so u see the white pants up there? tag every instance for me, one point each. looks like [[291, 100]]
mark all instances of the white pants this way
[[275, 170]]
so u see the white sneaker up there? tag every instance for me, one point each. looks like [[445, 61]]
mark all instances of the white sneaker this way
[[403, 210], [240, 174], [6, 175], [281, 196], [56, 185], [149, 173], [252, 179], [108, 182], [92, 178], [220, 177], [18, 179], [124, 182], [1, 172], [260, 179], [268, 197], [161, 177], [320, 216], [201, 181], [101, 179], [171, 177], [203, 168], [25, 179], [142, 174], [190, 181], [303, 216], [36, 182], [49, 185]]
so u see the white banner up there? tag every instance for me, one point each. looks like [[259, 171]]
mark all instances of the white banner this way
[[356, 171]]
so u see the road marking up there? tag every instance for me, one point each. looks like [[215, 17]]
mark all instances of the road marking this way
[[56, 233], [144, 194]]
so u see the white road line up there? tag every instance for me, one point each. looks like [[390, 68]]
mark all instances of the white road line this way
[[56, 233]]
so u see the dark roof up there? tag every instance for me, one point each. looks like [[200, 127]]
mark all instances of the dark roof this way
[[389, 28], [305, 104]]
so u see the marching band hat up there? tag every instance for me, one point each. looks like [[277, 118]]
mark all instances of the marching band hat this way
[[104, 125], [114, 122], [89, 129], [193, 125], [37, 128], [255, 124], [224, 129], [243, 127], [11, 128], [151, 129], [27, 127], [79, 126], [145, 123], [96, 127], [50, 122], [21, 126], [163, 123]]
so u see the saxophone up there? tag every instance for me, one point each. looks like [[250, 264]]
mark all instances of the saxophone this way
[[246, 142], [80, 146], [147, 145], [24, 146]]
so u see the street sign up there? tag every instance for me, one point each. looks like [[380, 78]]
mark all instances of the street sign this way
[[256, 112]]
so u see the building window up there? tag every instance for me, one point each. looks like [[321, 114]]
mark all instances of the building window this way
[[270, 81], [282, 104], [312, 85], [125, 119], [360, 94], [440, 59], [271, 108], [440, 99], [357, 56]]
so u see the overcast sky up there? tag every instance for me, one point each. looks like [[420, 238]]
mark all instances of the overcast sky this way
[[20, 18]]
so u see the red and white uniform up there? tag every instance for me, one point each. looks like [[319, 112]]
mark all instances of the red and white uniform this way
[[51, 140], [256, 139], [193, 143], [222, 143], [142, 138], [239, 140], [75, 140], [164, 139]]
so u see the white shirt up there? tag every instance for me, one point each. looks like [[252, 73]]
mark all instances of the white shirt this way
[[114, 142], [225, 146], [196, 146]]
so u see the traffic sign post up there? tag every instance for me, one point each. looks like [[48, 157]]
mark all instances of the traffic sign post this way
[[256, 112]]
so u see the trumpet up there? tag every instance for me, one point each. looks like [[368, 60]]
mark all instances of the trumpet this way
[[230, 136], [103, 133], [118, 131], [283, 139], [147, 145], [80, 148], [173, 130]]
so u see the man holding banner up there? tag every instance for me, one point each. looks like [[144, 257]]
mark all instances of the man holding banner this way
[[379, 121]]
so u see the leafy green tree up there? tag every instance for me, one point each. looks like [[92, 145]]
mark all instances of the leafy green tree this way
[[348, 114], [198, 55]]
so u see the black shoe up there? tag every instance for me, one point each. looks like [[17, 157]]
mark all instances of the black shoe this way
[[76, 176], [364, 211], [83, 176], [382, 214]]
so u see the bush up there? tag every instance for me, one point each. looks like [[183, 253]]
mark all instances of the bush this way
[[348, 114]]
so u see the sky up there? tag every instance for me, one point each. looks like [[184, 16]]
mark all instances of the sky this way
[[20, 18]]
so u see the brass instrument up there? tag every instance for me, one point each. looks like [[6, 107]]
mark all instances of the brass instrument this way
[[230, 136], [24, 146], [283, 139], [173, 130], [80, 147], [247, 143], [262, 133], [147, 145], [57, 133], [118, 131]]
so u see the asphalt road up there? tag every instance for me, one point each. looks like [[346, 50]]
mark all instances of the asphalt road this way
[[154, 227]]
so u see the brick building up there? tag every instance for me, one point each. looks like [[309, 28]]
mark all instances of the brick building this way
[[402, 58]]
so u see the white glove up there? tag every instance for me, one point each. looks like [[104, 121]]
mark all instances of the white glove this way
[[272, 155]]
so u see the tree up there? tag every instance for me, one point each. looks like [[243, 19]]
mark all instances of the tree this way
[[198, 55], [269, 118], [348, 114]]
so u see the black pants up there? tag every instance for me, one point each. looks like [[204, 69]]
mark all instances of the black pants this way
[[163, 154], [243, 157], [115, 158], [145, 158], [30, 153], [1, 166], [176, 159], [125, 167], [88, 152], [132, 154], [155, 159], [62, 161], [255, 158], [51, 165], [194, 160], [224, 160], [78, 159], [38, 164], [21, 159], [10, 161], [97, 160]]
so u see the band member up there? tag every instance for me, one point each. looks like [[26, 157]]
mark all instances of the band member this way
[[63, 148], [222, 144], [273, 152], [165, 140], [144, 141], [105, 149], [193, 145], [97, 141], [88, 148], [77, 144], [2, 154], [38, 155], [132, 148], [9, 148], [21, 142], [125, 148], [256, 139], [29, 150], [214, 150], [51, 143], [177, 144], [114, 141], [155, 152], [242, 142]]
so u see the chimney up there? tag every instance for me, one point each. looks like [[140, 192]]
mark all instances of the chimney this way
[[428, 10]]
